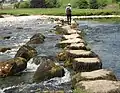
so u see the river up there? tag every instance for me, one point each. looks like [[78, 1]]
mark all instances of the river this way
[[104, 39], [20, 30]]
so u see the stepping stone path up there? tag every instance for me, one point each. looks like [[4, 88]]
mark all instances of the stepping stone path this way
[[86, 64], [89, 75]]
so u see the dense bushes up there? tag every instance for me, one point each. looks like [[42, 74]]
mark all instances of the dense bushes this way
[[25, 4], [44, 3], [81, 4]]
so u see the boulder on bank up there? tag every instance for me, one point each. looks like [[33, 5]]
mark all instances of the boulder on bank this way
[[26, 52], [4, 49], [99, 86], [12, 66], [102, 74], [86, 64], [48, 70], [36, 39]]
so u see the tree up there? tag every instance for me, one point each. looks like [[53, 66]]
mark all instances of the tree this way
[[94, 4], [37, 4], [102, 3], [82, 4], [1, 3], [52, 3]]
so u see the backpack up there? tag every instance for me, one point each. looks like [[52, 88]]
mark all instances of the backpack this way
[[68, 10]]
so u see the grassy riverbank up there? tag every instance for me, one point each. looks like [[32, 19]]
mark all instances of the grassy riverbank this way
[[59, 11]]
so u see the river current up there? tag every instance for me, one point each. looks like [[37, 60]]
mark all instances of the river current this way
[[20, 30]]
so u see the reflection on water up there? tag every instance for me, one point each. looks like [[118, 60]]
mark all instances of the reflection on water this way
[[104, 39]]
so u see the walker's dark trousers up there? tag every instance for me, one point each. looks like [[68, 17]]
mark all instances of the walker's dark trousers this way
[[69, 19]]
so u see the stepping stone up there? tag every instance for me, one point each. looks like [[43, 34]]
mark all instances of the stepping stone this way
[[70, 31], [74, 40], [80, 53], [70, 41], [102, 74], [77, 46], [100, 86], [86, 64], [71, 36]]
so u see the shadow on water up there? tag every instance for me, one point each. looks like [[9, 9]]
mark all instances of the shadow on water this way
[[104, 39]]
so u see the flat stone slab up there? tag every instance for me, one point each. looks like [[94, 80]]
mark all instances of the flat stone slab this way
[[70, 30], [80, 53], [86, 64], [102, 74], [77, 46], [73, 40], [100, 86], [71, 36]]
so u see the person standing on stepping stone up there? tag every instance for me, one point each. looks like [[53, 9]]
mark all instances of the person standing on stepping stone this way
[[68, 11]]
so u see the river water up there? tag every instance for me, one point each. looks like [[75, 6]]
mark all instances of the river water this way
[[20, 29], [104, 40]]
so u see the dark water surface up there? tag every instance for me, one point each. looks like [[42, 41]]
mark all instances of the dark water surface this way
[[104, 39]]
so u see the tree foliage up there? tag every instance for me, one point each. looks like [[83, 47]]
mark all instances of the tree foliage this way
[[94, 4], [37, 4], [82, 4], [44, 3]]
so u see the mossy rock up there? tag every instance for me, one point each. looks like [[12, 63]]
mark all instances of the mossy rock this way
[[48, 70], [1, 16], [4, 49], [12, 66], [26, 52], [60, 30], [36, 39]]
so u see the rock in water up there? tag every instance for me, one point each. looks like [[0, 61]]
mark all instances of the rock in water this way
[[86, 64], [36, 39], [12, 66], [48, 70], [100, 86], [4, 49], [102, 74], [26, 52]]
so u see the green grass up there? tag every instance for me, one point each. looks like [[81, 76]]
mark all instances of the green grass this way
[[59, 11]]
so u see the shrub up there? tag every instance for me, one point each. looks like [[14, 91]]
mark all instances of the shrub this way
[[25, 4]]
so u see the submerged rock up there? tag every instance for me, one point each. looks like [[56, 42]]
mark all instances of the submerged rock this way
[[36, 39], [48, 70], [4, 49], [12, 66], [26, 52], [100, 86], [102, 74], [86, 64]]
